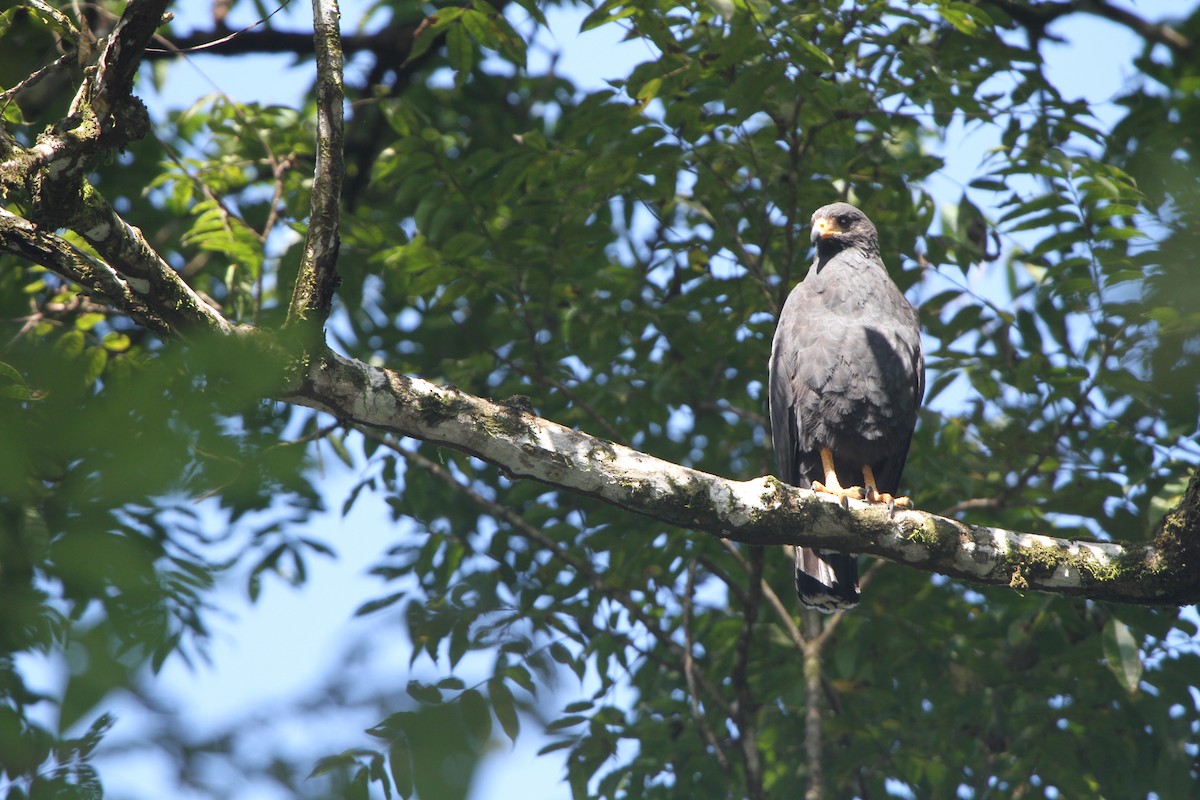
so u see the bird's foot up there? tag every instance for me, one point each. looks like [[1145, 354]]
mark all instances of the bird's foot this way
[[842, 493], [873, 495]]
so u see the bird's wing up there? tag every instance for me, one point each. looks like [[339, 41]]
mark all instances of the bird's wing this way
[[804, 349]]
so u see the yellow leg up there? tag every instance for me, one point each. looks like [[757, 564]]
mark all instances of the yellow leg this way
[[831, 484], [875, 496]]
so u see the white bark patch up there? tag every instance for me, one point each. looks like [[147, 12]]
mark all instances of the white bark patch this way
[[100, 230]]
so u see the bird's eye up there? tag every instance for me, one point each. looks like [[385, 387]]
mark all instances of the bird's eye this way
[[843, 221]]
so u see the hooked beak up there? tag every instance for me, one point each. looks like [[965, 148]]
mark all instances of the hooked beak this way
[[822, 227]]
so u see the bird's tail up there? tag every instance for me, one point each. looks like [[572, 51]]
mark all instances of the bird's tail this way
[[826, 581]]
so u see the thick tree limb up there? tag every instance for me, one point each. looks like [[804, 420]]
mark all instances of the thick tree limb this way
[[52, 174], [22, 238], [760, 511], [132, 278], [103, 116], [111, 85], [145, 271]]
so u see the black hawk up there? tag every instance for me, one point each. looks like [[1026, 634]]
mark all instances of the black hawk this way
[[846, 377]]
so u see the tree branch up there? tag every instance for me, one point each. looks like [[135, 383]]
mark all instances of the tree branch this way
[[20, 237], [689, 673], [635, 610], [103, 116], [744, 711], [813, 729], [125, 248], [1158, 32], [394, 41], [112, 83], [760, 511], [317, 280], [1036, 17]]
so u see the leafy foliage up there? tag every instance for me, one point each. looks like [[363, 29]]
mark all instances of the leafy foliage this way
[[617, 257]]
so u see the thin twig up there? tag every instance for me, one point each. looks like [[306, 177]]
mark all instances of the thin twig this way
[[580, 565], [174, 50], [744, 710], [812, 708], [689, 672], [541, 377]]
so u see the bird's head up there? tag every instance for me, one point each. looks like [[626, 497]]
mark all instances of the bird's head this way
[[840, 226]]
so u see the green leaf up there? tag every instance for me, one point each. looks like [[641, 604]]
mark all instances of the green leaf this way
[[85, 322], [360, 785], [1123, 655], [116, 342], [451, 683], [480, 26], [331, 763], [424, 692], [578, 706], [605, 14], [531, 6], [565, 722], [429, 33], [560, 744], [989, 185], [477, 718], [649, 90], [11, 373], [461, 51], [964, 17], [71, 344], [95, 360], [520, 676], [1114, 234], [401, 767], [371, 606], [504, 707]]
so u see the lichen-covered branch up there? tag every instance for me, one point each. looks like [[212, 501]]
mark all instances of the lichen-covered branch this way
[[51, 177], [317, 280], [103, 116], [20, 237], [144, 270], [132, 277], [760, 511], [111, 84]]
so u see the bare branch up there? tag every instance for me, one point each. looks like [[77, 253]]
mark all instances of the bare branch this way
[[312, 297], [20, 237], [103, 116], [1159, 32], [759, 511], [813, 729], [1035, 17], [394, 41], [689, 673], [635, 610], [744, 711], [112, 83]]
